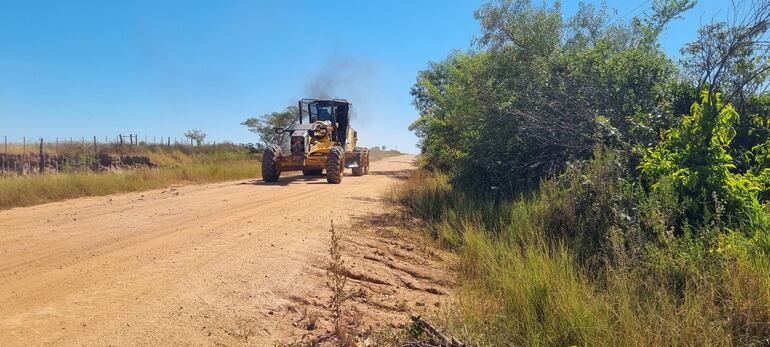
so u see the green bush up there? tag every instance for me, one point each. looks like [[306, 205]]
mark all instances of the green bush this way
[[694, 157]]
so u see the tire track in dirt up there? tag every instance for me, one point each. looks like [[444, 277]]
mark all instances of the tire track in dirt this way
[[124, 241]]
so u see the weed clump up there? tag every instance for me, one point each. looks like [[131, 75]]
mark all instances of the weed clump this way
[[337, 282]]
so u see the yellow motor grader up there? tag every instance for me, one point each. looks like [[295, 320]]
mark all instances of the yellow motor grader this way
[[322, 140]]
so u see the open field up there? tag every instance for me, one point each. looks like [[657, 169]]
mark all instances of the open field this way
[[234, 263], [175, 165]]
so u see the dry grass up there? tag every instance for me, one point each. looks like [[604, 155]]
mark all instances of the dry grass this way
[[176, 166]]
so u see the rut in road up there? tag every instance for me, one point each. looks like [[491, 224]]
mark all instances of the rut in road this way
[[229, 263]]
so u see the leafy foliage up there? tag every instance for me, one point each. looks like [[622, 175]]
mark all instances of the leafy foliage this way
[[264, 126], [695, 156], [526, 102]]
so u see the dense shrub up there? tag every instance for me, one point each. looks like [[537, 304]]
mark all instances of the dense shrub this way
[[524, 103], [695, 157]]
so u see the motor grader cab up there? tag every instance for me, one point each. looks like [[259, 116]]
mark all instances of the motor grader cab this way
[[322, 140]]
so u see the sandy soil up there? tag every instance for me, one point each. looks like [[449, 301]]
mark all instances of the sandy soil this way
[[237, 263]]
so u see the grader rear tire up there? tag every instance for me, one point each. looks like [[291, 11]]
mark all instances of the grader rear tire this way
[[312, 172], [363, 162], [335, 165], [270, 170]]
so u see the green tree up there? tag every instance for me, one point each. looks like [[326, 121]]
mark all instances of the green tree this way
[[195, 135], [264, 126], [539, 91], [731, 57]]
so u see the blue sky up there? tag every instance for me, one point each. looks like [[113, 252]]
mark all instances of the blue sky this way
[[158, 68]]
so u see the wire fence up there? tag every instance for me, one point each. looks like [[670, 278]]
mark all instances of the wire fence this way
[[41, 156]]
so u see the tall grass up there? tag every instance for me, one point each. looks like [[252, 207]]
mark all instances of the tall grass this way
[[176, 166], [579, 263]]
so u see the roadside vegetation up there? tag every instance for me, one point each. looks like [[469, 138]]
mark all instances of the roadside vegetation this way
[[175, 165], [597, 191]]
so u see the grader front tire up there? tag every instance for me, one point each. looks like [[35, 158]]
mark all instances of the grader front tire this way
[[270, 170], [335, 165]]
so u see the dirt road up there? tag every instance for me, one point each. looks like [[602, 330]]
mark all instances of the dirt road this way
[[237, 263]]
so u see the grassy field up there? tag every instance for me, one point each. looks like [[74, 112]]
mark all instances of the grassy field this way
[[524, 282], [176, 165]]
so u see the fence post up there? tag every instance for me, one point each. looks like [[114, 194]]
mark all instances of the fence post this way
[[95, 162], [5, 154], [42, 158]]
